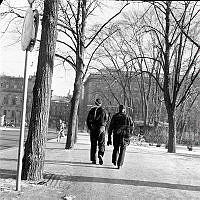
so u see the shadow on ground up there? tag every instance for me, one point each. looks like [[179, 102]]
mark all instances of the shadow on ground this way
[[50, 177], [7, 174]]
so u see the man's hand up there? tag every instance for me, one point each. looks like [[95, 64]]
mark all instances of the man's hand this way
[[109, 142], [102, 129]]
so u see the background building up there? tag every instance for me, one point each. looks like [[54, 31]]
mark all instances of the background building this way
[[11, 98], [106, 87], [96, 86], [59, 109]]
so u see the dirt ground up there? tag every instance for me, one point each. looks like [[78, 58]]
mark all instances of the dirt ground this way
[[30, 191]]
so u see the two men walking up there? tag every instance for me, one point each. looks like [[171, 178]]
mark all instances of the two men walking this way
[[121, 126]]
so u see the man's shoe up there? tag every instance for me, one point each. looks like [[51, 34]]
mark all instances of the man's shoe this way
[[93, 162], [119, 167], [114, 163], [100, 160]]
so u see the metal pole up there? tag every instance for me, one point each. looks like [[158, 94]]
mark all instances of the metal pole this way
[[21, 140]]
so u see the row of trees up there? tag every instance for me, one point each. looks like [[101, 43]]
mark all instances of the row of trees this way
[[160, 43], [60, 19], [72, 26], [161, 46]]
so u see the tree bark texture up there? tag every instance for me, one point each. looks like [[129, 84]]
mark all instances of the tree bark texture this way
[[73, 118], [34, 153], [170, 107], [80, 49], [172, 131]]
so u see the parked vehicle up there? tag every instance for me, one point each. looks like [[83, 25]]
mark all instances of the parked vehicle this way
[[10, 124]]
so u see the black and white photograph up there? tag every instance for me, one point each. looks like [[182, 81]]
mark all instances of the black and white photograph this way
[[99, 100]]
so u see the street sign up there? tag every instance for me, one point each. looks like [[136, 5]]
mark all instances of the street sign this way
[[31, 1], [27, 31]]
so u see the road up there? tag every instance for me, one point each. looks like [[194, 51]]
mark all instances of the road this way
[[10, 137]]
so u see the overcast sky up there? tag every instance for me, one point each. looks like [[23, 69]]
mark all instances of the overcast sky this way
[[12, 58]]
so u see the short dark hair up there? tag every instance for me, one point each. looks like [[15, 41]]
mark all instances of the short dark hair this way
[[121, 107], [98, 102]]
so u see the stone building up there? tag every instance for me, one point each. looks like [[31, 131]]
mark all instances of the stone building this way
[[94, 87], [59, 109], [97, 85], [108, 88], [11, 98]]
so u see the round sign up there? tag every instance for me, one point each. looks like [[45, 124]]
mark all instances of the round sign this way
[[31, 1], [27, 31]]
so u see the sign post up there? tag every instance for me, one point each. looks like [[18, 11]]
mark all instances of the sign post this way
[[22, 127], [29, 34]]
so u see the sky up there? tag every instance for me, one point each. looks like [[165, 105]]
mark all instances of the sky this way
[[12, 57]]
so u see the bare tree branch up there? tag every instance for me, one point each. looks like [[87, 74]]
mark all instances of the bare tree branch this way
[[105, 25]]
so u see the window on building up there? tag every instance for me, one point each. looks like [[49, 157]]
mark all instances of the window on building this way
[[5, 100], [13, 114], [17, 100], [56, 111], [7, 85], [14, 100], [21, 100]]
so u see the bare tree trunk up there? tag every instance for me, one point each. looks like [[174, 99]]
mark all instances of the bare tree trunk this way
[[182, 129], [172, 132], [73, 118], [34, 154], [168, 102]]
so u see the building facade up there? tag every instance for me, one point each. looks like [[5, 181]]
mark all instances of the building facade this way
[[11, 99], [100, 86], [59, 109], [112, 93]]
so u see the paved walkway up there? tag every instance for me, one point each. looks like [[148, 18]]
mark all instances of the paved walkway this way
[[148, 173]]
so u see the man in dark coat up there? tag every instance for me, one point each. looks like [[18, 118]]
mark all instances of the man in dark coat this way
[[121, 126], [96, 122]]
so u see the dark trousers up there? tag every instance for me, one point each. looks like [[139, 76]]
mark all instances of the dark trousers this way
[[119, 150], [97, 138], [118, 154]]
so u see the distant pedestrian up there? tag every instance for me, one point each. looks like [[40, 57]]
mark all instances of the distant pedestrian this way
[[96, 122], [60, 130], [3, 120], [121, 126]]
